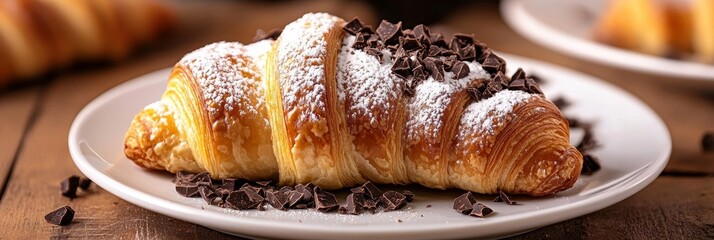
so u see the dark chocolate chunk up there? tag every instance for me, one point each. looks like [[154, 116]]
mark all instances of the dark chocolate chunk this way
[[207, 193], [410, 87], [241, 200], [262, 35], [590, 165], [389, 32], [360, 41], [494, 64], [374, 42], [482, 51], [187, 189], [370, 205], [561, 103], [460, 69], [203, 179], [85, 183], [182, 176], [401, 67], [409, 44], [588, 142], [480, 210], [519, 75], [354, 26], [264, 183], [572, 122], [409, 195], [230, 184], [708, 142], [68, 187], [392, 200], [518, 84], [374, 52], [408, 33], [277, 199], [464, 203], [438, 40], [449, 62], [62, 216], [428, 206], [462, 39], [359, 189], [420, 74], [533, 86], [342, 210], [421, 30], [294, 198], [434, 51], [501, 80], [354, 203], [467, 53], [435, 67], [371, 191], [255, 194], [505, 198], [325, 201]]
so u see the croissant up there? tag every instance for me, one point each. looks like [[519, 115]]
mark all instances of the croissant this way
[[336, 104], [40, 35]]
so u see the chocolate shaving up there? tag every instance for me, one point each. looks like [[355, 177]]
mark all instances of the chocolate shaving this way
[[392, 200], [262, 35], [588, 142], [68, 187], [62, 216], [389, 32]]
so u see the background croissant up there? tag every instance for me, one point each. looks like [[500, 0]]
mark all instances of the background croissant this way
[[337, 104]]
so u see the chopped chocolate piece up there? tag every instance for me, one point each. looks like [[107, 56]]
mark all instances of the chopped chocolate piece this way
[[448, 53], [409, 195], [316, 190], [408, 33], [434, 51], [85, 183], [371, 191], [187, 189], [255, 194], [464, 203], [389, 32], [359, 189], [494, 64], [68, 187], [62, 216], [462, 39], [374, 42], [533, 86], [572, 122], [561, 103], [286, 189], [294, 197], [230, 184], [435, 67], [401, 67], [262, 35], [374, 52], [264, 183], [261, 207], [223, 193], [421, 30], [538, 79], [480, 210], [409, 44], [588, 142], [419, 73], [460, 69], [360, 41], [182, 176], [325, 201], [482, 51], [354, 26], [505, 198], [708, 142], [202, 179], [590, 165], [370, 205], [241, 200], [410, 87], [354, 203], [519, 75], [449, 62], [392, 200], [518, 84], [207, 193], [277, 199], [501, 79], [342, 210], [438, 40], [467, 53]]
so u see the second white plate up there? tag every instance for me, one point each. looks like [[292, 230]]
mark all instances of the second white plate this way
[[635, 147], [567, 25]]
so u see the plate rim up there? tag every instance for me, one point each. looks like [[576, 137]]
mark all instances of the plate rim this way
[[528, 26], [253, 227]]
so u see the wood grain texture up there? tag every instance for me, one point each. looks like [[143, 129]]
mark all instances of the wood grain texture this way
[[16, 109]]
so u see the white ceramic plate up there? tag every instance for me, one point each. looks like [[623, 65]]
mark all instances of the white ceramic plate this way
[[566, 26], [635, 148]]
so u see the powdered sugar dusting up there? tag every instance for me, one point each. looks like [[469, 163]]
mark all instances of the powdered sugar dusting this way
[[259, 52], [427, 107], [367, 87], [302, 72], [481, 119], [227, 78]]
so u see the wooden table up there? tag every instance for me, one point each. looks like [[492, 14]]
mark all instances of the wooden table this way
[[36, 119]]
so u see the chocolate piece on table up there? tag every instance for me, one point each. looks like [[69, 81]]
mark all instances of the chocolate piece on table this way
[[505, 198], [392, 200], [277, 199], [207, 194], [325, 201], [480, 210], [202, 179], [409, 195], [460, 69], [389, 32], [342, 210], [262, 35], [62, 216], [354, 203], [590, 165], [371, 191], [230, 184], [68, 187], [370, 205], [85, 183], [241, 200], [464, 203], [354, 26], [255, 194], [708, 142], [294, 198], [187, 189]]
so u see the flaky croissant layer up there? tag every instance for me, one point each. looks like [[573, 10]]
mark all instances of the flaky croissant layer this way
[[308, 107]]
